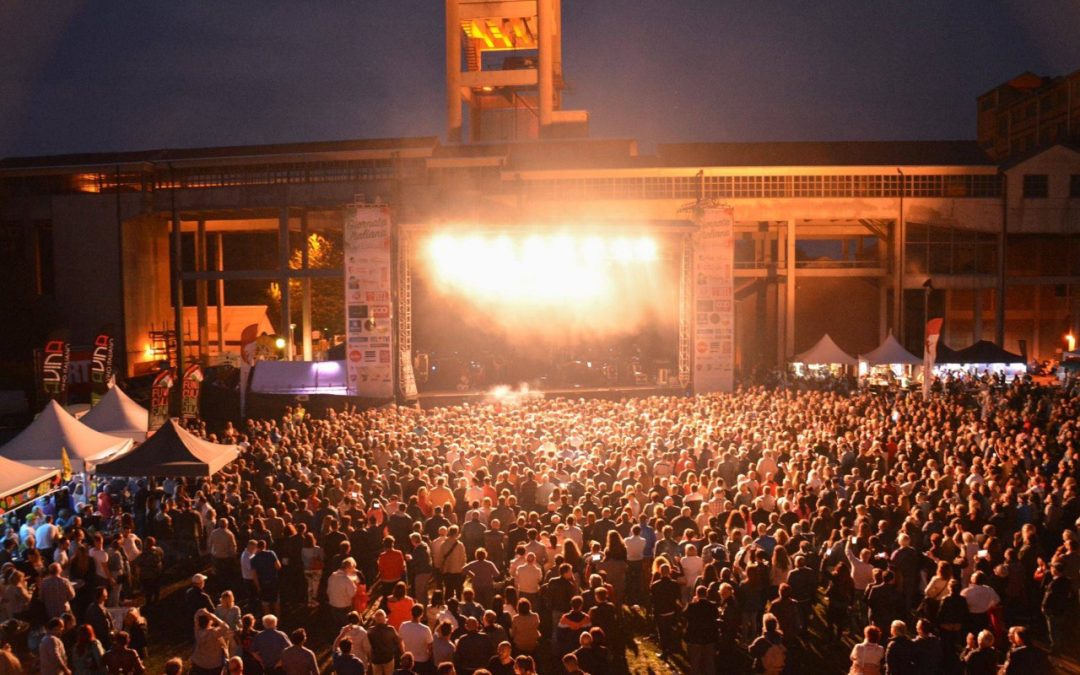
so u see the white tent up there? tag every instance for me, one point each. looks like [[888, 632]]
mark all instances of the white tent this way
[[17, 478], [40, 444], [117, 415], [825, 352], [889, 353]]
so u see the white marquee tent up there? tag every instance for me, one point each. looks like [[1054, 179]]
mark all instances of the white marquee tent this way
[[54, 430], [825, 352], [117, 415], [889, 353]]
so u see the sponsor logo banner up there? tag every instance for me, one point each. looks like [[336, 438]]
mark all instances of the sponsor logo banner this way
[[369, 314], [714, 290]]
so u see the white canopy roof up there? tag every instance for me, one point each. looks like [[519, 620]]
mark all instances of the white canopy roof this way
[[16, 477], [117, 415], [825, 352], [55, 429], [890, 352]]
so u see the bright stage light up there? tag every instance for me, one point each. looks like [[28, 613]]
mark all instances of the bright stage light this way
[[540, 268]]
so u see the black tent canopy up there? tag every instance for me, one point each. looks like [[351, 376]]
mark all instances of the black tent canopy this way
[[172, 451]]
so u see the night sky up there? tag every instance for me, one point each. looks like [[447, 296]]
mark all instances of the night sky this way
[[94, 76]]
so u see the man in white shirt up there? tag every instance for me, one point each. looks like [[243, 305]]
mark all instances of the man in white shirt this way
[[45, 537], [417, 638], [527, 578], [248, 574], [101, 559], [980, 597], [361, 645], [51, 653], [341, 587]]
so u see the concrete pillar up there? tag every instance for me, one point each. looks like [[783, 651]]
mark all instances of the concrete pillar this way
[[202, 317], [305, 285], [178, 289], [789, 303], [977, 314], [883, 311], [453, 72], [220, 267], [946, 326], [1033, 349], [898, 275], [546, 20], [283, 279]]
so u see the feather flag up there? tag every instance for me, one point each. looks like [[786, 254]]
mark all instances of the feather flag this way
[[65, 464]]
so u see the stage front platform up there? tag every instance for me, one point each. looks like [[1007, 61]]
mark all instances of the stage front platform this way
[[435, 399]]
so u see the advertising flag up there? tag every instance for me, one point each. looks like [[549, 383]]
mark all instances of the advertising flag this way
[[159, 399], [101, 364], [190, 385], [55, 361], [65, 465], [248, 338], [933, 332]]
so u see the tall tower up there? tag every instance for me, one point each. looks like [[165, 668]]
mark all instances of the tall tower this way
[[504, 67]]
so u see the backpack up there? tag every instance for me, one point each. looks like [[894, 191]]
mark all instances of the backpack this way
[[774, 658]]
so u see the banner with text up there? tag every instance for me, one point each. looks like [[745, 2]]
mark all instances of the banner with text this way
[[159, 399], [189, 392], [714, 298], [101, 363], [54, 363], [368, 307]]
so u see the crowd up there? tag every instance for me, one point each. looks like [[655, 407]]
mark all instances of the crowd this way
[[745, 532]]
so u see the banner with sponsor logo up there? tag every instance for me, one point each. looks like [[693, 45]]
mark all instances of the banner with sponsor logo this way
[[159, 399], [714, 298], [369, 315], [101, 364], [247, 360], [933, 332], [54, 363], [189, 392]]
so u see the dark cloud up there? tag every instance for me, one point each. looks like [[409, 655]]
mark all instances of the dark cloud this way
[[98, 76]]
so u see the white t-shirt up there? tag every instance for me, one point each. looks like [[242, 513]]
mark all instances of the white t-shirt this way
[[528, 578], [417, 638], [101, 562], [866, 658]]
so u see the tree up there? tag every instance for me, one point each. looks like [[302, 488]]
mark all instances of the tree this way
[[327, 295]]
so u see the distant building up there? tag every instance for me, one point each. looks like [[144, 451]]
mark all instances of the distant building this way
[[854, 238], [1029, 112]]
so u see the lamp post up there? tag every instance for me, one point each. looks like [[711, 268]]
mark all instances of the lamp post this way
[[928, 286]]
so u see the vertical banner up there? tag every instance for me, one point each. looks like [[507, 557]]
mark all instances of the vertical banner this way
[[159, 399], [369, 314], [101, 364], [55, 363], [714, 298], [408, 377], [190, 385], [247, 359], [933, 332]]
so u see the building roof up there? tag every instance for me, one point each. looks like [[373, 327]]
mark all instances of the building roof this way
[[827, 153], [240, 151]]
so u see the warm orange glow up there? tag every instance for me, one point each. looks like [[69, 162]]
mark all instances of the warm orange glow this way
[[557, 268], [1070, 341]]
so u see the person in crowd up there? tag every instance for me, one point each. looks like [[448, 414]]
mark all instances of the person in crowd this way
[[211, 643], [52, 655], [297, 659], [868, 656], [417, 638], [122, 659], [269, 644], [386, 645], [345, 662], [87, 656]]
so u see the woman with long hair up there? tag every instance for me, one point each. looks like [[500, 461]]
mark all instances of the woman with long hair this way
[[313, 559], [87, 657]]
